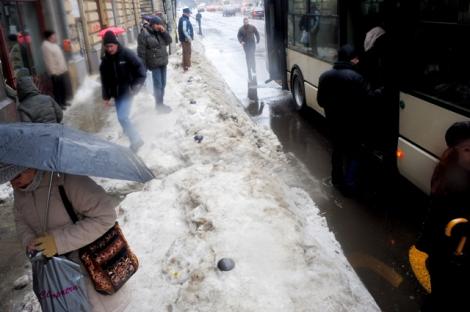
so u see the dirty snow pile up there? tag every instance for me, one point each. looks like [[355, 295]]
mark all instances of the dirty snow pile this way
[[223, 198]]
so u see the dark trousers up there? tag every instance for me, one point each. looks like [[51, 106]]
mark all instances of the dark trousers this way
[[345, 160], [159, 83], [250, 60], [61, 88], [186, 55], [199, 24]]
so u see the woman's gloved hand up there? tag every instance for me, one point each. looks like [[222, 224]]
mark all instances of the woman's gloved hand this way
[[47, 245]]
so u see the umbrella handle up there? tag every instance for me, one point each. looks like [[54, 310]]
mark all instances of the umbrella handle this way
[[460, 247], [46, 217]]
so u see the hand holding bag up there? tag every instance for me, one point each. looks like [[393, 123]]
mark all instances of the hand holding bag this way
[[108, 260]]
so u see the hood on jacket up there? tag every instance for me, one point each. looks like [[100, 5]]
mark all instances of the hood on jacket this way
[[26, 88], [346, 53]]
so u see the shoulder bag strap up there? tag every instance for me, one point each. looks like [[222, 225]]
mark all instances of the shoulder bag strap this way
[[67, 204]]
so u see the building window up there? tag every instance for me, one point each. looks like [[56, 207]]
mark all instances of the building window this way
[[313, 27], [103, 13]]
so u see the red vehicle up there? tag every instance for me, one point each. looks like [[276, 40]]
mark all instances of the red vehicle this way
[[257, 12]]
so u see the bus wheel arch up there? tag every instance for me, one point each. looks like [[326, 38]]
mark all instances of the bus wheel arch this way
[[298, 88]]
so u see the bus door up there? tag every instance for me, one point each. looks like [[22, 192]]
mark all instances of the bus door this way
[[276, 28]]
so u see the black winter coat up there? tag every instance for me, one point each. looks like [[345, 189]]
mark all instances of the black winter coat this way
[[152, 47], [343, 93], [122, 74], [249, 35], [450, 274], [34, 106]]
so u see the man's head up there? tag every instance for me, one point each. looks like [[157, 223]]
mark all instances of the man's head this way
[[347, 53], [186, 11], [246, 21], [18, 176], [154, 22], [50, 35], [110, 42]]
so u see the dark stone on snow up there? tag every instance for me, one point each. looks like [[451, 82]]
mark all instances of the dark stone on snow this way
[[198, 138], [226, 264]]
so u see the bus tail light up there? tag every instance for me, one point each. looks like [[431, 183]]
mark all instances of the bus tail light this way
[[400, 154]]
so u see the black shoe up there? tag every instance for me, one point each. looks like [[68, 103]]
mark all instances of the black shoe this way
[[163, 109], [136, 146]]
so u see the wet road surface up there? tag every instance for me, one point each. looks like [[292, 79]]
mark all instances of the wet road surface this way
[[375, 233]]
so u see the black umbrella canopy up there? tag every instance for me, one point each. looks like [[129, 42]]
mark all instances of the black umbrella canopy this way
[[55, 147]]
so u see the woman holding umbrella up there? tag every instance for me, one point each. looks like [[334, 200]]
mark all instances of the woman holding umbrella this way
[[95, 208], [446, 226]]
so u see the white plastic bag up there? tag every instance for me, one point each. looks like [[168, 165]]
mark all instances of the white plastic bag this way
[[59, 284], [305, 37]]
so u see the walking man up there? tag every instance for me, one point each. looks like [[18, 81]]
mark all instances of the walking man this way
[[246, 36], [56, 67], [122, 76], [186, 35], [199, 19], [152, 49]]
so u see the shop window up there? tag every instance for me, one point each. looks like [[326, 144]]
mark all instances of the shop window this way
[[313, 28]]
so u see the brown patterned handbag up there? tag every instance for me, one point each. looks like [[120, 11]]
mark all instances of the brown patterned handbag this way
[[108, 260]]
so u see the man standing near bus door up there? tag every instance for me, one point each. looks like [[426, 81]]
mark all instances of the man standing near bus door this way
[[246, 37], [186, 35], [343, 92]]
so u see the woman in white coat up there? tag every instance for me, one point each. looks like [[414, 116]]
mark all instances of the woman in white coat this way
[[96, 211]]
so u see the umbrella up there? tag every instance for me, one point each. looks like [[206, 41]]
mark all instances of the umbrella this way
[[55, 147], [116, 30], [417, 260]]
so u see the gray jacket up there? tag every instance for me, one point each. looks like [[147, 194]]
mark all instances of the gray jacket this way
[[152, 47], [34, 106]]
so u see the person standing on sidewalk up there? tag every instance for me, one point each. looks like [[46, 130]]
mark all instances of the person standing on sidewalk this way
[[152, 49], [186, 35], [56, 67], [122, 76], [199, 19], [246, 37]]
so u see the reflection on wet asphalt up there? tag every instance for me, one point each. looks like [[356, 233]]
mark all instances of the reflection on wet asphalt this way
[[374, 233]]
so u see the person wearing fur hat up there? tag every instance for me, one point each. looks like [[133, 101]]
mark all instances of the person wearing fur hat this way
[[450, 200], [58, 235], [152, 46], [122, 76]]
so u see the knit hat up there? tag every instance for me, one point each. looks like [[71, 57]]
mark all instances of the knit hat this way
[[186, 11], [155, 20], [346, 53], [110, 37], [457, 133], [9, 172]]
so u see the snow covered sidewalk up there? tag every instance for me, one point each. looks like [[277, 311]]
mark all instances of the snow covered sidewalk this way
[[224, 197]]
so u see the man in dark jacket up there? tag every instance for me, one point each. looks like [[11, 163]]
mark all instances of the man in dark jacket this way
[[152, 49], [343, 93], [186, 35], [199, 20], [34, 106], [122, 76], [246, 36]]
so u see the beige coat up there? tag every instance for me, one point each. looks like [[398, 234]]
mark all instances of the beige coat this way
[[96, 212], [53, 58]]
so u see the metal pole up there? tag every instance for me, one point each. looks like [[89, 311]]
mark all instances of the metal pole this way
[[46, 217], [85, 33]]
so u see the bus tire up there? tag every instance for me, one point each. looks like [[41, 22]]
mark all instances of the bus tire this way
[[298, 89]]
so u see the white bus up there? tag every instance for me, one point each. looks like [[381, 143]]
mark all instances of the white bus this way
[[431, 54]]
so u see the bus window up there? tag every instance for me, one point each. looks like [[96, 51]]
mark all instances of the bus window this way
[[440, 59], [313, 28]]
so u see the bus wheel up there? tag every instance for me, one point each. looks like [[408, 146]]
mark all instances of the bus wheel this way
[[298, 89]]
